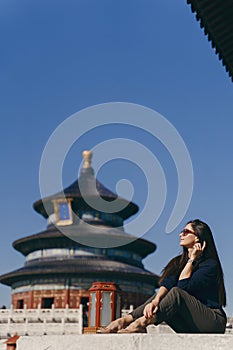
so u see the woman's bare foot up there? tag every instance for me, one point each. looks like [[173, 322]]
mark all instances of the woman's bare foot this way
[[138, 326], [116, 325]]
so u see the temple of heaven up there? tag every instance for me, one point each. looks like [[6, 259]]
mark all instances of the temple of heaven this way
[[80, 245]]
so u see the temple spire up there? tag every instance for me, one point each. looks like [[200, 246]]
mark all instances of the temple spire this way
[[86, 167], [87, 157]]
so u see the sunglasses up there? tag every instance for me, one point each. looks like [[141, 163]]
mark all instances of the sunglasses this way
[[185, 232]]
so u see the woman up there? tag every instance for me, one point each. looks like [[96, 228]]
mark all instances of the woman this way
[[191, 293]]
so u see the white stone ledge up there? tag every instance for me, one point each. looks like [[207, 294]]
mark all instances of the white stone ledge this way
[[127, 341]]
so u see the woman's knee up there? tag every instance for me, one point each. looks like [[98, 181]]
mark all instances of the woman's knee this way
[[176, 293], [175, 290]]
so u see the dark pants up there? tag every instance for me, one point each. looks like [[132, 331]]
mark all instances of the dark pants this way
[[185, 314]]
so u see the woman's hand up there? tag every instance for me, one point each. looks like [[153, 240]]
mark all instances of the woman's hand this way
[[150, 309], [197, 250]]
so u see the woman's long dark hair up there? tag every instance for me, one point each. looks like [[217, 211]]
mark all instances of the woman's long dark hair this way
[[176, 265]]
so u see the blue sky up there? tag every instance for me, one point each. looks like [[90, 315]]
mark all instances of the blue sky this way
[[58, 57]]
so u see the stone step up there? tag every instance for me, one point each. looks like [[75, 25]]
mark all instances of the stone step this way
[[128, 341]]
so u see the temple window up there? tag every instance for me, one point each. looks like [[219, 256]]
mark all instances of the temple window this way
[[47, 303], [20, 304]]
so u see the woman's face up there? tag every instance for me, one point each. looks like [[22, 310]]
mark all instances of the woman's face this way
[[188, 237]]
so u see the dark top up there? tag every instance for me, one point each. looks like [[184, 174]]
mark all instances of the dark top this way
[[202, 284]]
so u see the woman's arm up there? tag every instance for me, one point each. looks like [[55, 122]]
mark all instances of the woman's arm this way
[[202, 278], [187, 270], [196, 253], [151, 308]]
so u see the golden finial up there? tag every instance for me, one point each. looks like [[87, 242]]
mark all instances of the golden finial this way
[[87, 156]]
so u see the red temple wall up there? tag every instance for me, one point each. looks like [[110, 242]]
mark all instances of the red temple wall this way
[[72, 298]]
